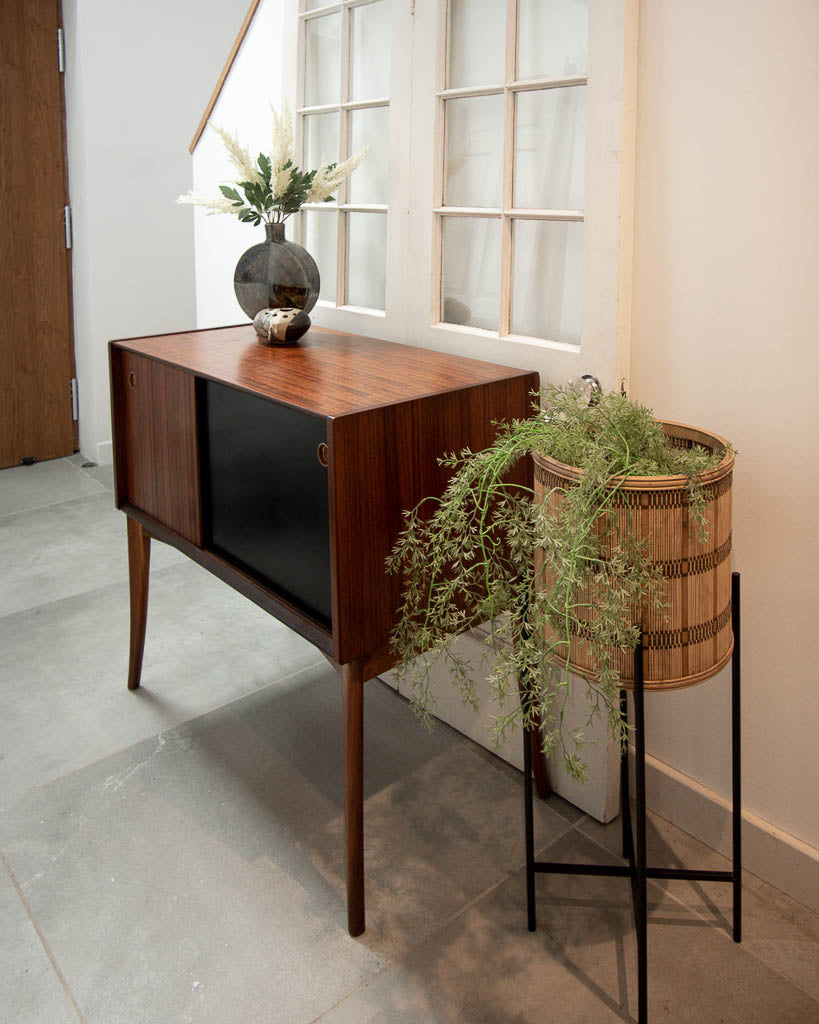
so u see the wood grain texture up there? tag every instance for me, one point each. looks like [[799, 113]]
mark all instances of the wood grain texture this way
[[36, 339], [392, 411], [383, 462], [139, 561], [156, 443], [329, 373]]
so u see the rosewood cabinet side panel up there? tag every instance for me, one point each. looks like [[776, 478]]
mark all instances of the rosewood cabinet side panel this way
[[156, 445], [382, 462]]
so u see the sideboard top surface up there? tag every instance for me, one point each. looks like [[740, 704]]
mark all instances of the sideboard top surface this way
[[328, 373]]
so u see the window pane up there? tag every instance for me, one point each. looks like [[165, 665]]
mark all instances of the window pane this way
[[471, 272], [367, 259], [320, 239], [548, 280], [550, 149], [552, 38], [320, 140], [477, 43], [368, 182], [474, 151], [370, 57], [322, 67]]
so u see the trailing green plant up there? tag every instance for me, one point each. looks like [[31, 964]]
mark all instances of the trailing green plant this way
[[467, 562]]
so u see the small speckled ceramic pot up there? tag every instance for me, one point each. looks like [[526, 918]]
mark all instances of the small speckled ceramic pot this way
[[281, 326]]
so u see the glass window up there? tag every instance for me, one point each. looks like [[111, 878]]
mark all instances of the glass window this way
[[346, 58], [512, 127]]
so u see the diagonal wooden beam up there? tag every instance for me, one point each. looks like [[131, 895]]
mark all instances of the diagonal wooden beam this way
[[240, 38]]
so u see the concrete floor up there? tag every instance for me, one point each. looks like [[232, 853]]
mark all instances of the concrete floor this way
[[175, 854]]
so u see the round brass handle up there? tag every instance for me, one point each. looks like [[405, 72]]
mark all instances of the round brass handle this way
[[322, 454], [132, 379]]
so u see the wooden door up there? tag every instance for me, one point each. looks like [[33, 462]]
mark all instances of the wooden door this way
[[36, 337]]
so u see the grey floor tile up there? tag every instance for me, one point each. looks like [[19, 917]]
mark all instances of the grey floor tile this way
[[102, 474], [775, 928], [696, 972], [555, 803], [579, 966], [63, 670], [30, 989], [177, 880], [484, 967], [434, 840], [473, 972], [64, 549], [26, 487]]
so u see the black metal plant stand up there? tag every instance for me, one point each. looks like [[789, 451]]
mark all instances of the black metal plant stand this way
[[634, 843]]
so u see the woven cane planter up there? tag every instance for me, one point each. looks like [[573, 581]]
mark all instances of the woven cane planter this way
[[691, 639]]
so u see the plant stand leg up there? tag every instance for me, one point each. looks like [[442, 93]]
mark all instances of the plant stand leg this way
[[528, 808], [634, 846], [640, 875], [736, 759], [540, 770], [139, 560], [625, 794]]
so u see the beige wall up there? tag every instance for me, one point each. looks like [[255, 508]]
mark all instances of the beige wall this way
[[725, 336]]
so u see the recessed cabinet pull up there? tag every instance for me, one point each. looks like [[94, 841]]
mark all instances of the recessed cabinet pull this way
[[132, 379], [322, 453]]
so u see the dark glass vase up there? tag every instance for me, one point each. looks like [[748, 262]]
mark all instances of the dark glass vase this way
[[275, 274]]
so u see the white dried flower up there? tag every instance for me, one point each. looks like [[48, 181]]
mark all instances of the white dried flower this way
[[239, 156], [271, 188], [282, 152], [328, 178], [213, 204], [280, 182]]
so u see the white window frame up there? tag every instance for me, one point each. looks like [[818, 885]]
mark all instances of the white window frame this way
[[607, 214], [387, 323], [415, 210], [507, 213]]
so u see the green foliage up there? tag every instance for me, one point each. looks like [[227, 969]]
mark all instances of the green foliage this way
[[467, 561], [267, 200]]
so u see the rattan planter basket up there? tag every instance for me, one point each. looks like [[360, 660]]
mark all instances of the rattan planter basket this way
[[692, 639]]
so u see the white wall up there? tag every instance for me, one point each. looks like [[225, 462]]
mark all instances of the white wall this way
[[725, 335], [138, 77], [263, 74]]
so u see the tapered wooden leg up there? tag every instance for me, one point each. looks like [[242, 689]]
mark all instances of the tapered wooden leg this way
[[139, 558], [353, 701]]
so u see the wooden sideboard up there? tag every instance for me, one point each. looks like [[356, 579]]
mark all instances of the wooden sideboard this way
[[285, 471]]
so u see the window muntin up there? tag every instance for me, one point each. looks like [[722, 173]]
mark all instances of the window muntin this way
[[344, 105], [512, 135]]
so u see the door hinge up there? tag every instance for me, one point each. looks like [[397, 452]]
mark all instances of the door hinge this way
[[60, 50], [69, 235], [75, 401], [412, 7]]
